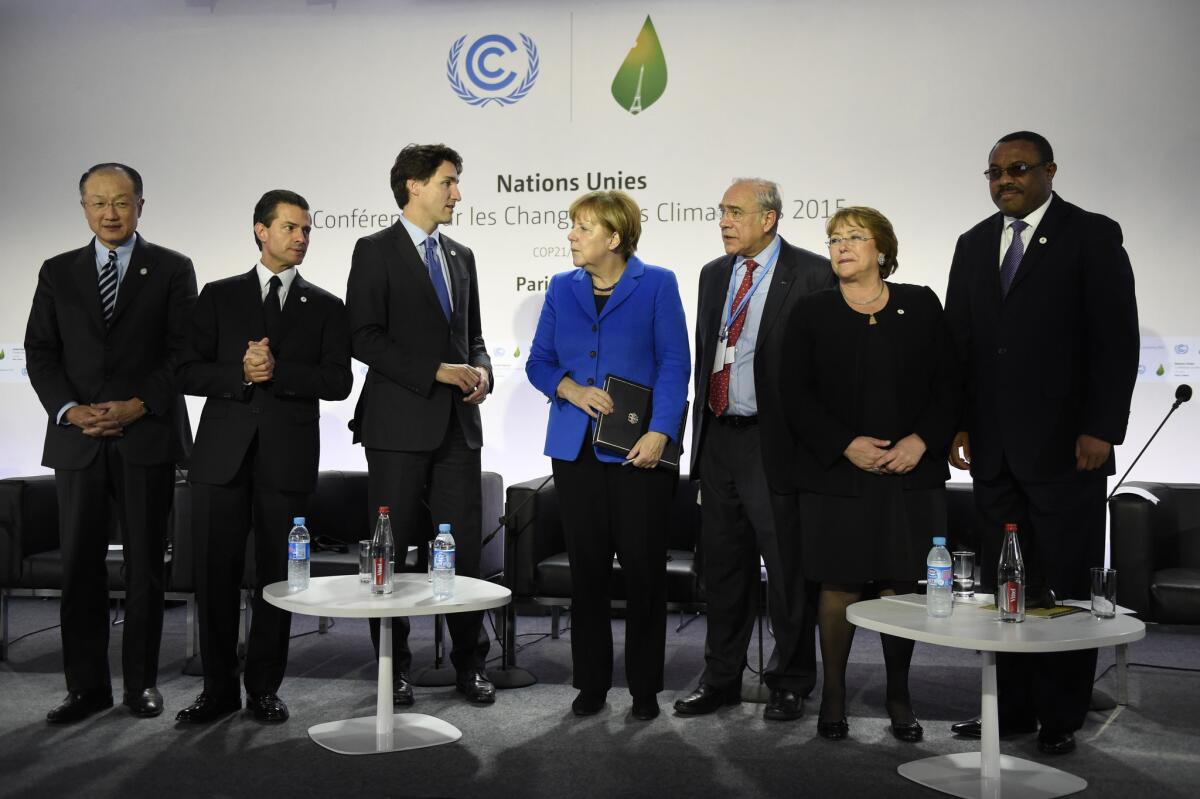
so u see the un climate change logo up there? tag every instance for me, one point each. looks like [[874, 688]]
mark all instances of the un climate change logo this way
[[485, 76]]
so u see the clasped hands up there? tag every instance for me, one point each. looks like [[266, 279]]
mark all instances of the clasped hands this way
[[258, 364], [471, 380], [596, 402], [106, 419], [879, 456]]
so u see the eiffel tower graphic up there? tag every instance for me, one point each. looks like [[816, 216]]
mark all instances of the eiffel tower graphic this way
[[636, 106]]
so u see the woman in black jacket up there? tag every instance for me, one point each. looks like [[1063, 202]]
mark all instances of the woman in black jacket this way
[[875, 392]]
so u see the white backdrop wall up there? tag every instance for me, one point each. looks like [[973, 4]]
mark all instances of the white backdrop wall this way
[[889, 104]]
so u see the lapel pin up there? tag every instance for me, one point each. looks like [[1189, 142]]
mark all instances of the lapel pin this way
[[1042, 240], [452, 252], [303, 299], [143, 271], [900, 311]]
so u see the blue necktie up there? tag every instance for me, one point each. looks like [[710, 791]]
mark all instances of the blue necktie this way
[[435, 275], [108, 287], [1012, 258]]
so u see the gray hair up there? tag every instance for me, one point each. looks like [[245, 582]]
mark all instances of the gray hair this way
[[767, 194]]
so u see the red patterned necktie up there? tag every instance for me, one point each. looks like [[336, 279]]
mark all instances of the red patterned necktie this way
[[718, 382]]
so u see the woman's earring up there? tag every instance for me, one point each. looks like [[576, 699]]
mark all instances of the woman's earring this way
[[882, 260]]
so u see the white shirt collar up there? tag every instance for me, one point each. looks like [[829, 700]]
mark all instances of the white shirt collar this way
[[264, 278], [1034, 217]]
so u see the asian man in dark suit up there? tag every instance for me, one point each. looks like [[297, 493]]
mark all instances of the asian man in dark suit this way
[[413, 302], [265, 347], [107, 326], [1041, 307], [744, 455]]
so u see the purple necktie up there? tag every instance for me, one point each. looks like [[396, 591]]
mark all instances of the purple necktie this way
[[1012, 258]]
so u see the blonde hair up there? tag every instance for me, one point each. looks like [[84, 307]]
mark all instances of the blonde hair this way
[[617, 211]]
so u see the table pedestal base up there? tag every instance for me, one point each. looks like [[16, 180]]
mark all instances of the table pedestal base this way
[[359, 736], [959, 775]]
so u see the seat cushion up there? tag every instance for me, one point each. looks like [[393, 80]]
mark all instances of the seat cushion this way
[[1176, 595]]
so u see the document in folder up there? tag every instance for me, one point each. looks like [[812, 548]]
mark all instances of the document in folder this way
[[620, 430]]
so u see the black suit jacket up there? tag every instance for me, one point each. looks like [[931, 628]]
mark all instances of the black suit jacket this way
[[397, 328], [797, 272], [1058, 356], [73, 356], [312, 362], [825, 342]]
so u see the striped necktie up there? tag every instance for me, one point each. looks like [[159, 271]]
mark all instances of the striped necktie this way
[[108, 287]]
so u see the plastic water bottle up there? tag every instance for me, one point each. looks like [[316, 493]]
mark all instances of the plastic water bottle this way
[[939, 589], [298, 559], [1010, 578], [443, 563], [382, 547]]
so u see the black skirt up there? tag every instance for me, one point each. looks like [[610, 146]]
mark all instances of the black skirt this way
[[883, 534]]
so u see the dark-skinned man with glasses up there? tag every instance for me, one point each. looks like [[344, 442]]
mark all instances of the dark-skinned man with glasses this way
[[1042, 310]]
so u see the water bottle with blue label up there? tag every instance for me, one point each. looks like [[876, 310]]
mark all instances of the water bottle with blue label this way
[[298, 555], [939, 589], [443, 564]]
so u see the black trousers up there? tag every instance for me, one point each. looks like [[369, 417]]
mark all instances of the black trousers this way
[[423, 490], [142, 497], [222, 519], [607, 508], [1061, 533], [741, 520]]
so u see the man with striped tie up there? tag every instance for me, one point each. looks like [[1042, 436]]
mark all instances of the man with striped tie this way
[[107, 324]]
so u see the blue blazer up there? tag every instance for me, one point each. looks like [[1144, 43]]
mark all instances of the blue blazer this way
[[641, 336]]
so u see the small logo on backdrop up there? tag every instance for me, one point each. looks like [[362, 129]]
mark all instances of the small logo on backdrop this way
[[1180, 349], [493, 69], [642, 78]]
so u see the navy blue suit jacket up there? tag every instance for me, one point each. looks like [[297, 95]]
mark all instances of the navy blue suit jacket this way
[[641, 336]]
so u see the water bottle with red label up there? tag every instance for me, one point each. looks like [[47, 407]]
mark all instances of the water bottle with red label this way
[[1010, 578]]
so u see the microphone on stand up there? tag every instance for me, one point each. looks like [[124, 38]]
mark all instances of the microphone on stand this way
[[1183, 393]]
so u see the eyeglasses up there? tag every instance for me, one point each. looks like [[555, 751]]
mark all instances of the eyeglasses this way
[[120, 205], [856, 239], [1017, 170], [735, 214]]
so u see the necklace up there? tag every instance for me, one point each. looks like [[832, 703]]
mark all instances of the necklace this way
[[871, 316], [604, 289]]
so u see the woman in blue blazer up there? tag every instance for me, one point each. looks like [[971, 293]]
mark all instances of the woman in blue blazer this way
[[612, 316]]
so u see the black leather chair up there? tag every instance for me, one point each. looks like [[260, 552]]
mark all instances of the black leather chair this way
[[31, 560], [537, 570], [1155, 538]]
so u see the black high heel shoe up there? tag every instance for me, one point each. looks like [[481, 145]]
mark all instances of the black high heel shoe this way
[[833, 730], [908, 731]]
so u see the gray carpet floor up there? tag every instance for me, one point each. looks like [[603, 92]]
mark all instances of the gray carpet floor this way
[[529, 745]]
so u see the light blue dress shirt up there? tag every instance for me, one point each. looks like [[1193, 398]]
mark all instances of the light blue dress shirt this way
[[743, 401], [418, 239]]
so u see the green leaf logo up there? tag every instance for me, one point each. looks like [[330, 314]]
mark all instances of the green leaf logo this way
[[1, 355], [517, 352], [1160, 371], [642, 78]]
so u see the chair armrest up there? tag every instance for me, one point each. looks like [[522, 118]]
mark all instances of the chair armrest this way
[[28, 522], [533, 532]]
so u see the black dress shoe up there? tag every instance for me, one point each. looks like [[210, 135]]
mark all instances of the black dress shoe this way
[[79, 705], [208, 707], [1056, 743], [645, 708], [588, 703], [907, 731], [267, 708], [476, 686], [147, 703], [973, 728], [783, 705], [706, 699], [833, 730], [402, 690]]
